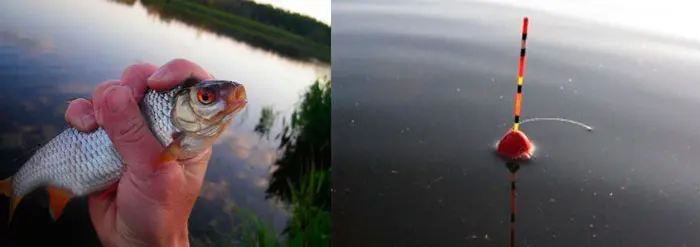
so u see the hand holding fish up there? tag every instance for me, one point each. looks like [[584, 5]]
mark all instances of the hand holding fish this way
[[139, 150]]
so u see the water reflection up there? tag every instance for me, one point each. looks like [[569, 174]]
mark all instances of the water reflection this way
[[28, 43], [239, 28]]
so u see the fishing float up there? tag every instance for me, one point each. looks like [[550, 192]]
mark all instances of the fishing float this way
[[515, 145]]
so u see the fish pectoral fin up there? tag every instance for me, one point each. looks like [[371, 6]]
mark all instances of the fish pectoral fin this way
[[58, 199], [6, 189], [170, 153]]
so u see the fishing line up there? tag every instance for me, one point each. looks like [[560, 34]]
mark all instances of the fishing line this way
[[563, 120], [244, 116]]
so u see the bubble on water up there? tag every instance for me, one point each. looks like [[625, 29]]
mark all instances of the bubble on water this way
[[611, 194], [570, 80], [595, 193], [571, 219], [590, 226], [352, 121], [458, 89], [552, 200], [594, 235], [500, 97], [561, 87]]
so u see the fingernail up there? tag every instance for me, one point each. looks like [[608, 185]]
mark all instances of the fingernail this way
[[119, 96], [159, 75], [87, 120]]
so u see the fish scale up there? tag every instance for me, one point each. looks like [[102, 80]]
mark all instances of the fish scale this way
[[83, 163]]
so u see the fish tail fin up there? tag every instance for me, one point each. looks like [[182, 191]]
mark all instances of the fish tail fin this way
[[6, 190], [58, 199], [6, 187]]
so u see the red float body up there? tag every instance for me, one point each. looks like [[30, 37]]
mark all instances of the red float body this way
[[515, 146]]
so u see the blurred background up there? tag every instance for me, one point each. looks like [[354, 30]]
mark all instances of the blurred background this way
[[51, 51], [425, 89]]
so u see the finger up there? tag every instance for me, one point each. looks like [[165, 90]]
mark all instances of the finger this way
[[196, 167], [102, 214], [97, 94], [175, 72], [135, 77], [119, 114], [81, 116]]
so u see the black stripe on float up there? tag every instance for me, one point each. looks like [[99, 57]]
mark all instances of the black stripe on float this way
[[522, 52], [517, 119], [512, 217], [512, 185], [524, 36], [520, 88]]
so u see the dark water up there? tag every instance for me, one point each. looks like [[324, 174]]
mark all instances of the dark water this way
[[424, 91], [64, 49]]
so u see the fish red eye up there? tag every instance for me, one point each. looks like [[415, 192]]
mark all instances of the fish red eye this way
[[206, 96]]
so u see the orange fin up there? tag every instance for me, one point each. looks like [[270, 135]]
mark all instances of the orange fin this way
[[170, 152], [58, 199], [6, 187], [6, 190], [109, 191]]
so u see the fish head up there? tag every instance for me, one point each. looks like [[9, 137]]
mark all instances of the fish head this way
[[203, 109]]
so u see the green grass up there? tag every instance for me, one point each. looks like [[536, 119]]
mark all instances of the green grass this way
[[309, 225], [241, 28]]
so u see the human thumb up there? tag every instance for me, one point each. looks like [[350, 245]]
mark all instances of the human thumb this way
[[120, 116]]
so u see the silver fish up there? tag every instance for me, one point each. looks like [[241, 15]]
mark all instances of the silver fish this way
[[195, 113]]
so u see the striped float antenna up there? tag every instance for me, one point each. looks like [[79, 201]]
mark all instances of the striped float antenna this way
[[521, 75]]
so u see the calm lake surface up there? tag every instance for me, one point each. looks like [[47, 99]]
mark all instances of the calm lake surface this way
[[423, 91], [64, 49]]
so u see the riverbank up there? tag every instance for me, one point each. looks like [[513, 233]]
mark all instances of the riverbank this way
[[260, 25]]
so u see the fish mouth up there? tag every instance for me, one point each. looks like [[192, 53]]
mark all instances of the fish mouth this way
[[236, 98]]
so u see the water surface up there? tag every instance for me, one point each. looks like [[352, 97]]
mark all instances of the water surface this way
[[425, 89]]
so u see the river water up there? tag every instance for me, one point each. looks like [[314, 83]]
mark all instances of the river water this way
[[51, 51], [423, 90]]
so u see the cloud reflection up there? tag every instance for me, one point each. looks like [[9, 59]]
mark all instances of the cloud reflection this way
[[250, 148], [26, 42], [215, 190]]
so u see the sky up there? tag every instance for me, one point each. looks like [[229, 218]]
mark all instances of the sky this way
[[319, 9], [678, 18]]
